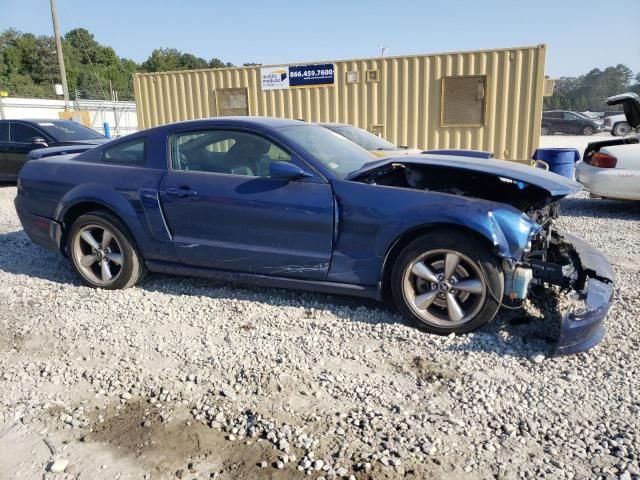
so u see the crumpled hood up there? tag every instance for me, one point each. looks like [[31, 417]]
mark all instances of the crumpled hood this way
[[556, 185]]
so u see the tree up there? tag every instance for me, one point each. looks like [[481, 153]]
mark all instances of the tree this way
[[589, 91], [169, 59], [29, 65], [217, 63]]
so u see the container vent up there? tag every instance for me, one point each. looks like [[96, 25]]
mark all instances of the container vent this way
[[352, 76], [372, 75], [232, 101], [463, 100]]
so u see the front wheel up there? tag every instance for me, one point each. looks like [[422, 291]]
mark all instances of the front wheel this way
[[103, 252], [447, 282], [588, 131], [545, 131]]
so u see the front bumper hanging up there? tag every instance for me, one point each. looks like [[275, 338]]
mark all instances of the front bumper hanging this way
[[581, 330]]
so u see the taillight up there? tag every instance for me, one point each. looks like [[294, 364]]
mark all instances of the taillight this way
[[602, 160]]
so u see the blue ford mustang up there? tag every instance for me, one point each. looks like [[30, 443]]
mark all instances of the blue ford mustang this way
[[285, 203]]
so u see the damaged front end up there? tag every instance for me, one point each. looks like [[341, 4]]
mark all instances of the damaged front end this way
[[551, 258]]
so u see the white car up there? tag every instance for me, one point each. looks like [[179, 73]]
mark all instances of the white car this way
[[617, 125], [611, 168]]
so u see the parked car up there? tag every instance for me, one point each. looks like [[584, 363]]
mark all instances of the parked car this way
[[378, 146], [611, 168], [617, 125], [19, 137], [562, 121], [284, 203]]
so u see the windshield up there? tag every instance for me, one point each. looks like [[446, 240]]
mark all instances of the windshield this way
[[68, 131], [365, 139], [334, 151]]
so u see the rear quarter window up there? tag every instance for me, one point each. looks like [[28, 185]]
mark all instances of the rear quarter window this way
[[133, 152]]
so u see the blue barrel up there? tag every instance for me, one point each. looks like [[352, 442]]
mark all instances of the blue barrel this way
[[560, 160]]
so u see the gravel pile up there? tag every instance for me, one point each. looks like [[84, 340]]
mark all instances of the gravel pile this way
[[186, 378]]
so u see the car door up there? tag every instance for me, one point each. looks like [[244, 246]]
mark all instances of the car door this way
[[225, 212], [4, 151], [571, 123], [550, 119], [20, 145], [560, 124]]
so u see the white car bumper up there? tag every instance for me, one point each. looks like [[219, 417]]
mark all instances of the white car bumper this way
[[609, 182]]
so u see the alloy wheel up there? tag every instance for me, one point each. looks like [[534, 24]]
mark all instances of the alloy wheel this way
[[444, 287], [98, 254]]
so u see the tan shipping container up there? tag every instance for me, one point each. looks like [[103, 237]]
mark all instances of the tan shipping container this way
[[482, 100]]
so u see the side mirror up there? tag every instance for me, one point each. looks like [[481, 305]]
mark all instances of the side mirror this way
[[39, 141], [286, 171]]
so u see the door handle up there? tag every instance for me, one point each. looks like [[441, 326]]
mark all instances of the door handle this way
[[182, 191]]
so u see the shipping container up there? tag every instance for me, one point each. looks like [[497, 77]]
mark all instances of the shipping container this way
[[484, 100]]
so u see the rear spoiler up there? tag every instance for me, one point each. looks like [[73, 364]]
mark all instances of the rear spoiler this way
[[55, 151]]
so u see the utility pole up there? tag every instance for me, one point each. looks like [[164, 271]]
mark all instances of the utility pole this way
[[63, 73]]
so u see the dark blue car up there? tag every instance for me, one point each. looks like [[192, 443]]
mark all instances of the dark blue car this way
[[284, 203]]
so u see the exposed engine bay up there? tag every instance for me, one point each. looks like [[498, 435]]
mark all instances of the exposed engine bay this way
[[467, 183]]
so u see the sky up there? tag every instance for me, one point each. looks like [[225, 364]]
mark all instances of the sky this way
[[579, 34]]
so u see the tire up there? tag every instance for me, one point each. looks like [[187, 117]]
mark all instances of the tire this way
[[545, 131], [477, 267], [620, 129], [124, 265], [588, 131]]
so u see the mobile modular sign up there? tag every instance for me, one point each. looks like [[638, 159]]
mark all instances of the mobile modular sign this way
[[295, 76]]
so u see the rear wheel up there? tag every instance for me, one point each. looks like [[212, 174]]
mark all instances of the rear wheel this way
[[103, 252], [447, 282], [588, 131], [545, 131], [620, 129]]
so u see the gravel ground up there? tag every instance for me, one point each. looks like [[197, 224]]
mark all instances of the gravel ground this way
[[186, 378]]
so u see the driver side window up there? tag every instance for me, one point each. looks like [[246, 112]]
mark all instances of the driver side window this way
[[224, 151], [21, 133]]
